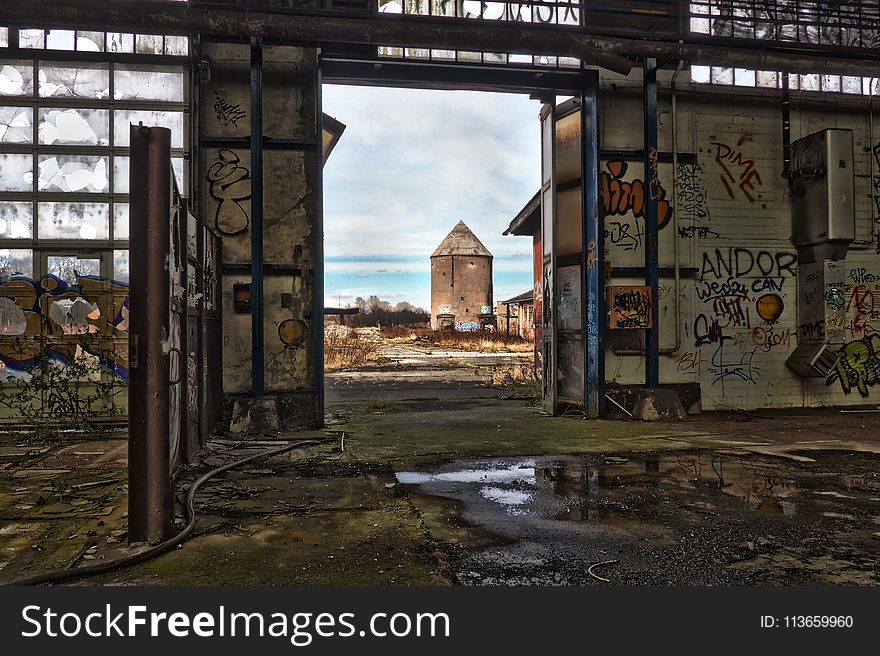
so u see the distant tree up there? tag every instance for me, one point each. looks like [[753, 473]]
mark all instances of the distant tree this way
[[376, 312]]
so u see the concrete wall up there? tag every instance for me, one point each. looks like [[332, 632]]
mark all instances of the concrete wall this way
[[461, 285], [731, 218], [288, 209]]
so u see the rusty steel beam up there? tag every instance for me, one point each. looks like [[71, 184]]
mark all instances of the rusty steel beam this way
[[427, 32], [150, 509]]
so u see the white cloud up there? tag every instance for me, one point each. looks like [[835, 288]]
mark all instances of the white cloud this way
[[412, 163]]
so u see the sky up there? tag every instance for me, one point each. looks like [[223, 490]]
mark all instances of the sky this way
[[409, 166]]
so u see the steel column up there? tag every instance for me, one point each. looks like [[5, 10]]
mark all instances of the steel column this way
[[594, 370], [257, 364], [318, 252], [149, 467], [652, 259]]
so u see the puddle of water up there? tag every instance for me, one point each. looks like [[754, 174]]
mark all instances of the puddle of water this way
[[577, 489]]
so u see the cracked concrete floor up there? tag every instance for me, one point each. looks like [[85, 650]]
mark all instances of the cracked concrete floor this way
[[797, 499]]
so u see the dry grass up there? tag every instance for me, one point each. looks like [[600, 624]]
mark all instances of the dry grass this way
[[517, 375], [347, 349], [482, 341]]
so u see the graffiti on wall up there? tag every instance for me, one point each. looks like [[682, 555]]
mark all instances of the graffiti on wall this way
[[629, 307], [51, 319], [622, 197], [691, 197], [858, 365], [738, 173], [230, 187], [742, 368], [875, 198], [227, 112], [742, 262]]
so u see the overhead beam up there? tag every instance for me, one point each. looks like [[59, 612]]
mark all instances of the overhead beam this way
[[428, 32], [178, 18]]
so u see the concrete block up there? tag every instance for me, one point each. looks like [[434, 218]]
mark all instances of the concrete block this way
[[254, 416], [658, 405]]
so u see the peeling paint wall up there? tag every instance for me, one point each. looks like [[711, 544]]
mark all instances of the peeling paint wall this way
[[737, 306], [288, 209]]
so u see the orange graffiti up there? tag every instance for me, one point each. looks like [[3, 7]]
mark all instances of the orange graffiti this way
[[621, 197]]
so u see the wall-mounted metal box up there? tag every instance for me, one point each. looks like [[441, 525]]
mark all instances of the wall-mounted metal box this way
[[822, 191], [241, 297]]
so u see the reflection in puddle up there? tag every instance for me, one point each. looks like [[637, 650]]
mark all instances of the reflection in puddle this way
[[577, 489]]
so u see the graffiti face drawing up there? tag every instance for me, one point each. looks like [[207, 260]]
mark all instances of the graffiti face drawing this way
[[230, 185]]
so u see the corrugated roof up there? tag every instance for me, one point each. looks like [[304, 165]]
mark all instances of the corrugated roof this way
[[461, 241]]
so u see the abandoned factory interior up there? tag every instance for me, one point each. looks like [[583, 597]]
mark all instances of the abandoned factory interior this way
[[439, 292]]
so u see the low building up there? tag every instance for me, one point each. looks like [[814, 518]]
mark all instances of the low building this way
[[516, 316]]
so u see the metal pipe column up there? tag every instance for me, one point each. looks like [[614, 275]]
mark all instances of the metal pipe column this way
[[257, 364], [652, 259], [149, 466], [594, 260], [318, 250]]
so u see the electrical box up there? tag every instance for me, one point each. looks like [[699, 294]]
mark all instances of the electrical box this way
[[821, 184], [241, 297]]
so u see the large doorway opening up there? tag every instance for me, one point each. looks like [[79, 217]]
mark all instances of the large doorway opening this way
[[419, 276]]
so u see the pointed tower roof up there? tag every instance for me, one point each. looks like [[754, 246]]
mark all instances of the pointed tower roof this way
[[461, 241]]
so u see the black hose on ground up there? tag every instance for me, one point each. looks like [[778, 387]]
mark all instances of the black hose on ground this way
[[163, 547]]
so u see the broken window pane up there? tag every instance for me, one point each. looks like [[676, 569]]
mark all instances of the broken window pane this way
[[89, 127], [16, 219], [61, 39], [16, 172], [63, 220], [74, 82], [131, 83], [122, 119], [722, 75], [744, 77], [120, 174], [810, 82], [77, 173], [700, 73], [177, 169], [16, 262], [70, 267], [32, 38], [831, 83], [767, 79], [16, 125], [118, 42], [120, 266], [443, 8], [12, 319], [120, 221], [148, 44], [851, 84], [74, 315], [390, 7], [90, 41], [176, 45], [16, 79]]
